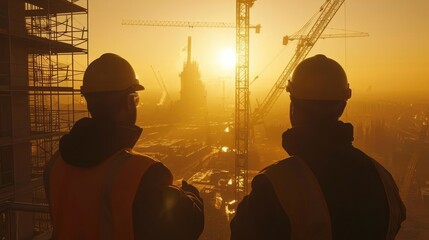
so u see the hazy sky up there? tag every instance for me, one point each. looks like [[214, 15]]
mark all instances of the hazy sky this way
[[393, 58]]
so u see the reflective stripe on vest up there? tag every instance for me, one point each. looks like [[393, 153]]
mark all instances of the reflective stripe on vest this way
[[302, 199], [79, 197]]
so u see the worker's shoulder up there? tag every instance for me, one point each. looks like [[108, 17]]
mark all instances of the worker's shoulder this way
[[140, 156], [155, 165], [385, 175], [50, 163], [285, 163], [359, 154], [274, 169]]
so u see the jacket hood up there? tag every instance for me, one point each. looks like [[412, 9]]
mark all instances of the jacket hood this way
[[301, 140], [90, 141]]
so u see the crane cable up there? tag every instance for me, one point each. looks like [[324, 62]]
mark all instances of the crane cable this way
[[345, 39], [269, 64], [299, 32]]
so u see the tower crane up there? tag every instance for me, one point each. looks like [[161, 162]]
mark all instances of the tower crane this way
[[188, 24], [242, 102], [161, 83], [346, 34], [305, 44]]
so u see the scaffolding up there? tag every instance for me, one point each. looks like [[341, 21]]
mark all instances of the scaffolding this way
[[55, 71], [43, 56], [56, 66]]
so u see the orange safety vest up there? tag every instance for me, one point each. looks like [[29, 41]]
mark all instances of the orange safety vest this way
[[95, 203], [302, 199]]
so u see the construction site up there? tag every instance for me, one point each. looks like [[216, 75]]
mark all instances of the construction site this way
[[216, 138]]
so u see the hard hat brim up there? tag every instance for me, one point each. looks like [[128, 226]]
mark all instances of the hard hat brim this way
[[138, 87], [135, 87]]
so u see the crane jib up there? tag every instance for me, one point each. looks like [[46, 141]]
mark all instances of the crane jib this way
[[305, 44]]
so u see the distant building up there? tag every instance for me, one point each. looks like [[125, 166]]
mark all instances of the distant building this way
[[192, 92]]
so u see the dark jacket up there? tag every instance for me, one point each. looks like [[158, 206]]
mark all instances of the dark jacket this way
[[90, 143], [350, 183]]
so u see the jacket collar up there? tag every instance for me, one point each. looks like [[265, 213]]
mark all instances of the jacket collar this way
[[306, 139], [90, 142]]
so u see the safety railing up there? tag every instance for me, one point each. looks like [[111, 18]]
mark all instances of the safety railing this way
[[24, 221]]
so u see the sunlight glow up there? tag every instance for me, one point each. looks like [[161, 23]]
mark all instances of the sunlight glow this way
[[226, 59]]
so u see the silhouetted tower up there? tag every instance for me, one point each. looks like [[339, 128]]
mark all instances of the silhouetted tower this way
[[193, 92], [242, 109]]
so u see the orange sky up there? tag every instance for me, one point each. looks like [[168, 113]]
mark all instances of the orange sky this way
[[394, 57]]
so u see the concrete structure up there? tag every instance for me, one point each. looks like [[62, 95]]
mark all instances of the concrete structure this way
[[43, 54]]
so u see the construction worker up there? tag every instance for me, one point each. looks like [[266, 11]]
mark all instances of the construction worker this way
[[327, 189], [98, 187]]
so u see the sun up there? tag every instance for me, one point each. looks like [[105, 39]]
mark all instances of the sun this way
[[226, 59]]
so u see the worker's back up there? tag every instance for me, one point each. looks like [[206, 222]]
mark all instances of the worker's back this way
[[101, 197], [359, 195], [354, 193]]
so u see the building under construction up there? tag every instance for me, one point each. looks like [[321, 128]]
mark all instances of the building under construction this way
[[192, 90], [43, 55]]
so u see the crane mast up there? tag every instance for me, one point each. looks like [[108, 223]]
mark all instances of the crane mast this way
[[305, 44], [242, 108]]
